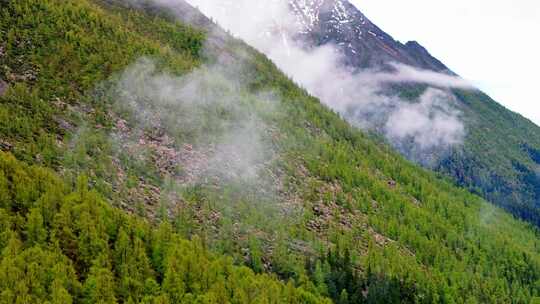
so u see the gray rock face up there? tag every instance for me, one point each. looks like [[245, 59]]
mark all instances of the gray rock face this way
[[363, 43]]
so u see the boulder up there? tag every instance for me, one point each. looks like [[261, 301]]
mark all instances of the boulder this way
[[5, 146]]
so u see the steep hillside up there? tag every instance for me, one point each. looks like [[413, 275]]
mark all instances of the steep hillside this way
[[158, 132], [60, 241]]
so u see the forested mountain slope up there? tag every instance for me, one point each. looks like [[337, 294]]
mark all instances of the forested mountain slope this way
[[146, 161]]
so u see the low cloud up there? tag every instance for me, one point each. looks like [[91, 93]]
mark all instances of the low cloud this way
[[405, 73], [207, 110], [426, 129]]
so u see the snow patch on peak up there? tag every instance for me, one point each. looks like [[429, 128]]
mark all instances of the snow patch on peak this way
[[307, 12], [340, 15]]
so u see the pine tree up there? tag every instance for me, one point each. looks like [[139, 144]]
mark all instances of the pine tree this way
[[343, 297], [36, 234], [100, 285], [59, 295]]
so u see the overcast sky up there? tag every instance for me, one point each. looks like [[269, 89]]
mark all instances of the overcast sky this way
[[494, 43]]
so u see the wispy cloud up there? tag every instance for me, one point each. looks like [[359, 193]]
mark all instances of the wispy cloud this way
[[405, 73], [204, 108]]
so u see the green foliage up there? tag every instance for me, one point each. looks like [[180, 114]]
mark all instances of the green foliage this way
[[394, 232], [97, 254]]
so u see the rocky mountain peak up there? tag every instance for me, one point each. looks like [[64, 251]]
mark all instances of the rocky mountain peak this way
[[363, 43]]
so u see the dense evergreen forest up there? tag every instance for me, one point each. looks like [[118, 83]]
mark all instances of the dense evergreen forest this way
[[103, 199]]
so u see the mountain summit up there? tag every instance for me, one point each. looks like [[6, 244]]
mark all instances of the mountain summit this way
[[364, 44]]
